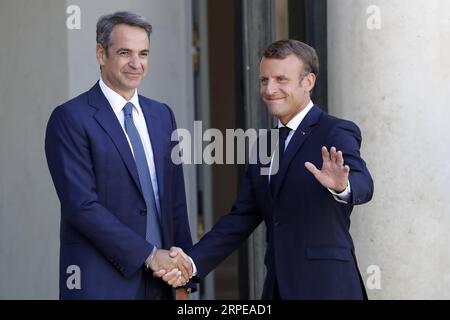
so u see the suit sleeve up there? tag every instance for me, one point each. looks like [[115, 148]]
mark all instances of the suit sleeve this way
[[69, 161], [229, 232], [346, 137]]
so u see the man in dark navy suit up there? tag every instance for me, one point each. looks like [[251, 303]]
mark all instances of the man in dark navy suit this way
[[122, 198], [310, 253]]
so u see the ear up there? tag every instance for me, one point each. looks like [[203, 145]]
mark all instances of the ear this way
[[101, 54], [309, 82]]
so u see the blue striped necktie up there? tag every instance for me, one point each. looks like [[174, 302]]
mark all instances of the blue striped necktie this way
[[153, 231]]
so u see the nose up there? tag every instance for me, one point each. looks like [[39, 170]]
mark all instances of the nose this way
[[271, 88], [134, 62]]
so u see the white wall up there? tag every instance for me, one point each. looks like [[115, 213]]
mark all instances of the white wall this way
[[394, 82], [33, 68]]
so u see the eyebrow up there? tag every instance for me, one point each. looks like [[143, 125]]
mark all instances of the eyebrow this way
[[129, 50], [283, 76]]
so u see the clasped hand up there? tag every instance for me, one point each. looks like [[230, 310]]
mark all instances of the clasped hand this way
[[173, 266]]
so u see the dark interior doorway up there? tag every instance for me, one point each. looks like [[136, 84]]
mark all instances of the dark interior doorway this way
[[217, 22], [221, 97]]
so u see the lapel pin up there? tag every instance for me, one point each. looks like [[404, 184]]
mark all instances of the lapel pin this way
[[303, 133]]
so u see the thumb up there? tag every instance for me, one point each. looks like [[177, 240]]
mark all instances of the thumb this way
[[173, 252], [312, 168]]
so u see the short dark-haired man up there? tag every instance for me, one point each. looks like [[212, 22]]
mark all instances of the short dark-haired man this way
[[310, 253], [122, 199]]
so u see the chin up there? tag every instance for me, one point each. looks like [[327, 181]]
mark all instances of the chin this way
[[133, 84], [276, 111]]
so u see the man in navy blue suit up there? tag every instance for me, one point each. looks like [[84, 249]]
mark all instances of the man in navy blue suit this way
[[310, 253], [122, 198]]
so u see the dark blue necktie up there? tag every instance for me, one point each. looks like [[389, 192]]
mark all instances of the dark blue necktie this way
[[283, 132], [153, 233]]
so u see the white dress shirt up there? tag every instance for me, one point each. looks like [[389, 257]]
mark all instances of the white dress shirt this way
[[117, 103], [343, 197]]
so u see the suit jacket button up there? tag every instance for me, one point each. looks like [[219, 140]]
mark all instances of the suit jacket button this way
[[277, 223], [143, 212]]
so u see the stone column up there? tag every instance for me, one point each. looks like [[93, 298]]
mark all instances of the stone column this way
[[389, 71]]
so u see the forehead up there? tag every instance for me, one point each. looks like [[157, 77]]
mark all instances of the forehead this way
[[273, 67], [130, 37]]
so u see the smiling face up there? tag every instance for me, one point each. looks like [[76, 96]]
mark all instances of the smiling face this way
[[285, 88], [124, 65]]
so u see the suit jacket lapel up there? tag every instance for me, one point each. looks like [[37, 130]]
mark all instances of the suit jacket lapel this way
[[107, 119], [155, 130], [300, 136]]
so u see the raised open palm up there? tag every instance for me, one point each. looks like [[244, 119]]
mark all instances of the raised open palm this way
[[334, 174]]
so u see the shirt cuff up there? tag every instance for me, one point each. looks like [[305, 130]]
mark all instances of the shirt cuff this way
[[194, 267], [344, 196], [150, 258]]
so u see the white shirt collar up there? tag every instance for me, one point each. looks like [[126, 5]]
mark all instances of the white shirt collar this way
[[295, 122], [116, 101]]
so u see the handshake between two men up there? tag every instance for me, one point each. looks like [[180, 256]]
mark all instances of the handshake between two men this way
[[175, 267]]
